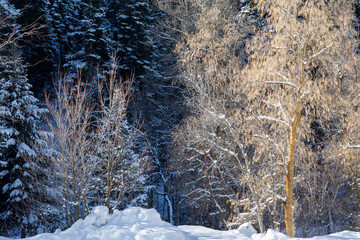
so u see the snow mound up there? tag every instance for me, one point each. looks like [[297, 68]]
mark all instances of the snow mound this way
[[99, 216], [131, 224], [145, 224], [270, 235], [247, 229]]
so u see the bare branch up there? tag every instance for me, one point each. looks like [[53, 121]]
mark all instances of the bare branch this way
[[267, 138], [17, 34], [318, 53], [274, 119], [351, 146], [282, 83]]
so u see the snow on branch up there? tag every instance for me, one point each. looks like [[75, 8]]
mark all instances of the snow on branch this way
[[318, 53], [267, 138], [232, 153], [351, 146], [282, 83], [274, 119]]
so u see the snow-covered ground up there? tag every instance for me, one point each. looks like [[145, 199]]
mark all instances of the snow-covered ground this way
[[145, 224]]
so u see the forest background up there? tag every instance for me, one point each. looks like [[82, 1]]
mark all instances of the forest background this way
[[214, 113]]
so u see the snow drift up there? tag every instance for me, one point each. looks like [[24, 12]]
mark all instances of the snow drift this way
[[145, 224]]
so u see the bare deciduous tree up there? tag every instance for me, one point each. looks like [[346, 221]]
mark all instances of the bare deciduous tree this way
[[98, 156], [211, 63], [12, 33], [345, 145], [292, 74], [75, 161], [120, 145]]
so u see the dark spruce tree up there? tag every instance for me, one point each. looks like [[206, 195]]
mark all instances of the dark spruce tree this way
[[90, 45], [18, 116], [18, 136], [130, 25], [62, 21]]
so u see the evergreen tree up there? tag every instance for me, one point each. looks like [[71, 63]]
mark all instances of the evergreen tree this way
[[130, 23], [23, 203], [18, 136], [62, 19], [89, 40]]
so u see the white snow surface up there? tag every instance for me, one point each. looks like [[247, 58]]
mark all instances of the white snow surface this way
[[145, 224]]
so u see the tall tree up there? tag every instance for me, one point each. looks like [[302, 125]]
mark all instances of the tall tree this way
[[130, 23], [25, 206], [121, 147], [18, 138], [90, 51], [73, 161], [293, 69], [62, 21], [210, 59]]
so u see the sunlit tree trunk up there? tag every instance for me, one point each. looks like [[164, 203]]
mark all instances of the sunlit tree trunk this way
[[289, 221]]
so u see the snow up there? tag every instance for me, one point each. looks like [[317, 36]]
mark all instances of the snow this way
[[145, 224], [9, 9], [16, 184], [3, 173], [24, 148]]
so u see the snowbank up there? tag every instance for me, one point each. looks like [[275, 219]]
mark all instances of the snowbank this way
[[133, 223], [145, 224]]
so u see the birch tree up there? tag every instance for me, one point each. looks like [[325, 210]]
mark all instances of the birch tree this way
[[74, 157], [292, 74]]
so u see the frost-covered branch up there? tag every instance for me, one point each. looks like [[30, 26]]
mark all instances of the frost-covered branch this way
[[274, 119], [282, 83], [318, 53]]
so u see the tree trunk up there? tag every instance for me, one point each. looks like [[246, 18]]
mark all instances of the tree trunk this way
[[65, 195], [212, 193], [109, 179], [260, 218], [75, 191], [67, 218], [289, 221]]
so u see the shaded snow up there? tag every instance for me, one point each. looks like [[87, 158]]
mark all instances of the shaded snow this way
[[25, 149], [145, 224]]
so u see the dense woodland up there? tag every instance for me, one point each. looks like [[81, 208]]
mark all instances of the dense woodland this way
[[213, 112]]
